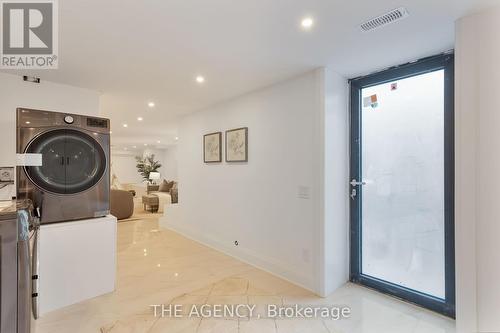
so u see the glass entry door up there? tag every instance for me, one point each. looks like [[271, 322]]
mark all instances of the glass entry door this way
[[401, 183]]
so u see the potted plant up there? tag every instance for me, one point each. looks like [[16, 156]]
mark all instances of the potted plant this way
[[146, 165]]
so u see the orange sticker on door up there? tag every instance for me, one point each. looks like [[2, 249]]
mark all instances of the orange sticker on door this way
[[370, 101]]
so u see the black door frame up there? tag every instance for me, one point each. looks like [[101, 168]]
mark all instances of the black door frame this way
[[444, 61]]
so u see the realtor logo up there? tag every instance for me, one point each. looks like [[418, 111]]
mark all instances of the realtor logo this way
[[29, 34]]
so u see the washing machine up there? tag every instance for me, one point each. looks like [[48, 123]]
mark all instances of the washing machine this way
[[63, 164]]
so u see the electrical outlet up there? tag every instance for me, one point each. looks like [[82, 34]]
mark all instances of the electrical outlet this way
[[303, 192]]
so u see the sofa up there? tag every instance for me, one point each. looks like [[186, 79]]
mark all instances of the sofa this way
[[121, 200], [121, 204], [166, 192]]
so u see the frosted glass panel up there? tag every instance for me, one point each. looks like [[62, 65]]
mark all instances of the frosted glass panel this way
[[403, 167]]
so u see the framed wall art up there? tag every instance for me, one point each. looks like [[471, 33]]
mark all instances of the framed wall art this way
[[237, 145], [212, 147], [7, 188]]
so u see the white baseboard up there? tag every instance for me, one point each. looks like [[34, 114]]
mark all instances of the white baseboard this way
[[246, 255]]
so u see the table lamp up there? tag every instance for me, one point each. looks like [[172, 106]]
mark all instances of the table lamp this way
[[154, 176]]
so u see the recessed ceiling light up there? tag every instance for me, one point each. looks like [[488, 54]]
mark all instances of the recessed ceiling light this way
[[145, 144], [125, 125], [151, 104], [307, 23], [28, 122], [200, 79], [176, 138], [134, 147], [158, 141], [140, 119]]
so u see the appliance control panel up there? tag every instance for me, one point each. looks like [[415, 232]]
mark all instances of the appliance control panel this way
[[97, 122]]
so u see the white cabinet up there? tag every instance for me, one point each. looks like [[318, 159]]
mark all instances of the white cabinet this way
[[77, 261]]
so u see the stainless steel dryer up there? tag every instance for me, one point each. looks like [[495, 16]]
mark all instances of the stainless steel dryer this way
[[66, 164]]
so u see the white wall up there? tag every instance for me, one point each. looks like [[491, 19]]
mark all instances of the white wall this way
[[477, 166], [258, 203], [123, 165], [14, 93], [335, 231], [168, 160], [170, 163]]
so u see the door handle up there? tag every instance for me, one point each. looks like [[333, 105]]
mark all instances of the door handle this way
[[35, 273], [354, 182]]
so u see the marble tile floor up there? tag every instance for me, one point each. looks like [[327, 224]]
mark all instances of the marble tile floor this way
[[161, 267]]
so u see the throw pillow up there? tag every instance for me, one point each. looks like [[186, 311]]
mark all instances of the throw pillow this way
[[163, 186], [166, 186]]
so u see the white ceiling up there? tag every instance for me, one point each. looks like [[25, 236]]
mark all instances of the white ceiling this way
[[151, 50]]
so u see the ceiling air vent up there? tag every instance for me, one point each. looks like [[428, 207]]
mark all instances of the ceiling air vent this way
[[388, 18]]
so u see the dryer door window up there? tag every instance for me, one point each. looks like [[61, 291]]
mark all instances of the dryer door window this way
[[72, 161], [51, 175], [85, 162]]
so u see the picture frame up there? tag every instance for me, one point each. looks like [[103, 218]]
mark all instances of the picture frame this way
[[237, 145], [7, 175], [7, 188], [212, 147]]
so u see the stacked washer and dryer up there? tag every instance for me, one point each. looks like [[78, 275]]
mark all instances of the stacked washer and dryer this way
[[66, 171], [62, 175]]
